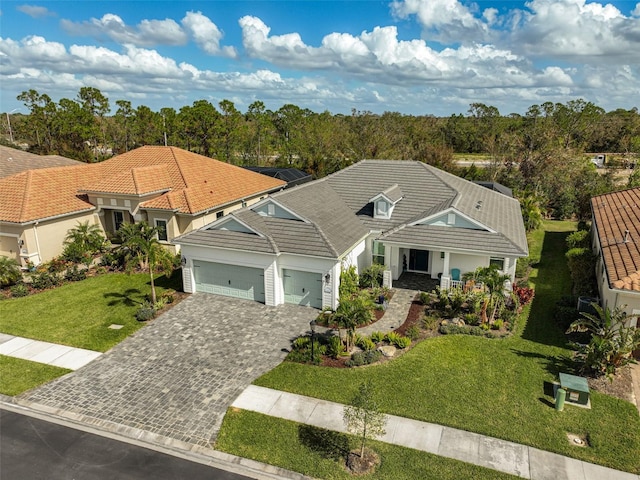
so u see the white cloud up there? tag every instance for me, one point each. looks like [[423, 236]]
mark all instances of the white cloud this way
[[34, 11], [148, 33], [636, 11], [206, 34], [112, 27], [575, 29], [448, 21]]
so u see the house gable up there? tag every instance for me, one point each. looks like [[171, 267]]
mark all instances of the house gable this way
[[452, 218], [232, 224], [271, 208]]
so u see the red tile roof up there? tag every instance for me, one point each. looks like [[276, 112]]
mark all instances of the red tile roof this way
[[187, 183], [43, 193], [616, 217]]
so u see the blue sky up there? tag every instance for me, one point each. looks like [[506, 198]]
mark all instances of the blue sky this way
[[411, 56]]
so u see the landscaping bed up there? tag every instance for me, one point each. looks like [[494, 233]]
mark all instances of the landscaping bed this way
[[492, 387]]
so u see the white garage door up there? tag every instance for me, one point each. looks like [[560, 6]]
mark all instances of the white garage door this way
[[229, 280], [302, 288], [9, 247]]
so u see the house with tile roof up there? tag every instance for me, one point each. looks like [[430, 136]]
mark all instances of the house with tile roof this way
[[173, 189], [13, 160], [411, 217], [616, 242]]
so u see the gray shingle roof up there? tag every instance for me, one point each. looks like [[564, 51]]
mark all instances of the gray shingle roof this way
[[340, 213]]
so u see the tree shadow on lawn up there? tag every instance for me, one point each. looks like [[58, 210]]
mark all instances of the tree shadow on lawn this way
[[553, 364], [173, 281], [551, 285], [327, 443], [125, 298]]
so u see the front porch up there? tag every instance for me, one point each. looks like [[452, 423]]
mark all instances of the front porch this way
[[416, 281]]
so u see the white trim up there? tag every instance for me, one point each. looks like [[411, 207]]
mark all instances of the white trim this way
[[166, 228], [456, 212], [219, 222], [273, 200]]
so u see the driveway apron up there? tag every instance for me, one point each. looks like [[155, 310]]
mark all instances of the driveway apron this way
[[177, 376]]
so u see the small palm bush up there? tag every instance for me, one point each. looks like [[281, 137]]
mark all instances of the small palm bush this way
[[9, 271]]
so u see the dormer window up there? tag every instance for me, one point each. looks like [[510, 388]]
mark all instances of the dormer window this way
[[385, 201]]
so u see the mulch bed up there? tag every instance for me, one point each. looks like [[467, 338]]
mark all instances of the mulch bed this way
[[619, 386]]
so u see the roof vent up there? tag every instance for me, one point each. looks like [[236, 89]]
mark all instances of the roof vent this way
[[626, 236], [479, 205]]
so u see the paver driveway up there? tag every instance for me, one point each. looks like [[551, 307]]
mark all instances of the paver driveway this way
[[177, 376]]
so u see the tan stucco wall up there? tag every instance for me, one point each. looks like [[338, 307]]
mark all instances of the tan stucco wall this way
[[44, 240]]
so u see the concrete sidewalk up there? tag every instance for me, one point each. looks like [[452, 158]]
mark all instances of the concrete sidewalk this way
[[501, 455], [45, 352]]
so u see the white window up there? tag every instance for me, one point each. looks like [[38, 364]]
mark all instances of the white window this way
[[451, 219], [161, 225], [381, 208], [271, 209], [118, 219], [497, 261], [378, 252]]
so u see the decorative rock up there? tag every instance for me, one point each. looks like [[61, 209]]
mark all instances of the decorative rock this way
[[444, 322], [387, 350]]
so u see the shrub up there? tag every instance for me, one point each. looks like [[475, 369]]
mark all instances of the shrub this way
[[74, 274], [74, 252], [413, 332], [372, 276], [471, 319], [579, 239], [168, 296], [56, 265], [377, 337], [523, 265], [451, 329], [301, 343], [334, 346], [44, 280], [402, 342], [348, 282], [581, 262], [524, 294], [364, 358], [145, 312], [19, 290], [391, 337], [9, 271], [430, 322], [497, 325], [365, 343]]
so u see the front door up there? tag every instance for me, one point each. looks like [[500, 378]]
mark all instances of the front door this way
[[419, 260]]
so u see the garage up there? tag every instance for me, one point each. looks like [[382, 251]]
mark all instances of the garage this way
[[229, 280], [302, 288]]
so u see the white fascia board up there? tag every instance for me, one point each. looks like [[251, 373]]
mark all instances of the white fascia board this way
[[445, 248], [456, 212], [273, 200], [229, 218]]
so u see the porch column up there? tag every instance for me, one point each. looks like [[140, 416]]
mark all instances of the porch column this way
[[445, 264]]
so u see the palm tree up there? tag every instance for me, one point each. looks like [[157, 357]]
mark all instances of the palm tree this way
[[351, 313], [531, 213], [494, 280], [612, 342], [142, 249], [87, 237], [9, 271]]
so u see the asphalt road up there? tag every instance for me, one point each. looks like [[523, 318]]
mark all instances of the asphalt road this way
[[34, 449]]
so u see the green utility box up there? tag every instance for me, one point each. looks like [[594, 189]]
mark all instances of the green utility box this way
[[577, 389]]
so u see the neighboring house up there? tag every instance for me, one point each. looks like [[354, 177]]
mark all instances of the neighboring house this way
[[409, 216], [292, 176], [616, 241], [173, 189], [13, 160]]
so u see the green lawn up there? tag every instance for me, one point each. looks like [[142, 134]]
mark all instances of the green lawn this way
[[319, 453], [494, 387], [17, 375], [78, 314]]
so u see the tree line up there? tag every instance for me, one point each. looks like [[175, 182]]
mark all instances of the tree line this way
[[540, 154]]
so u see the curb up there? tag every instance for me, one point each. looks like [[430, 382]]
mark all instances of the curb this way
[[151, 441]]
